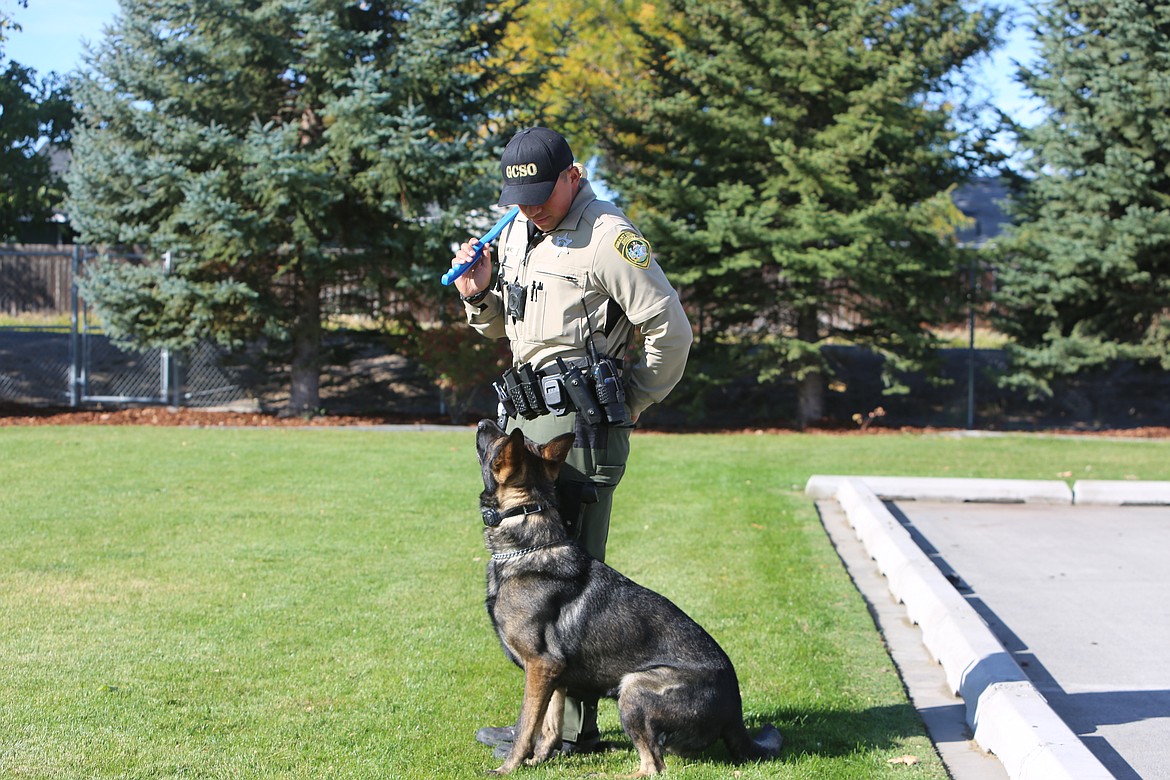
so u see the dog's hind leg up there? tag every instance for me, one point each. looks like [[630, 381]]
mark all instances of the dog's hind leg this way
[[539, 685], [636, 707], [550, 732], [649, 760], [646, 743]]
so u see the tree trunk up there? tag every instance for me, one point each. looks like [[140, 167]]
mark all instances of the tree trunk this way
[[811, 395], [305, 380], [811, 399]]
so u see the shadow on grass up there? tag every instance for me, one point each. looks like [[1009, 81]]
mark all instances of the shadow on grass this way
[[821, 733], [829, 733]]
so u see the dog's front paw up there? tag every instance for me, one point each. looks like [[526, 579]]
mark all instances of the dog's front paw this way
[[504, 768], [510, 763], [539, 757], [544, 751]]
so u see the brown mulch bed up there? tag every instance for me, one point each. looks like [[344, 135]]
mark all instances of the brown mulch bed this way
[[12, 414]]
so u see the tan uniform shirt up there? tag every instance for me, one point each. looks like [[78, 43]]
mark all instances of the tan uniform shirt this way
[[593, 274]]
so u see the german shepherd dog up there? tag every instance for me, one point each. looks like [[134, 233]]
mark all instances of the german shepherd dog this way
[[573, 623]]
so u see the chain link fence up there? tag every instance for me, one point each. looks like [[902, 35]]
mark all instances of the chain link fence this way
[[77, 363]]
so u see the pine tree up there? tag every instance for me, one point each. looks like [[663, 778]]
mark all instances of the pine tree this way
[[790, 162], [275, 147], [1085, 277]]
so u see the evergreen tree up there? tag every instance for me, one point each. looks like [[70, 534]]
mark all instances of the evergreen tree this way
[[1085, 277], [275, 147], [791, 163]]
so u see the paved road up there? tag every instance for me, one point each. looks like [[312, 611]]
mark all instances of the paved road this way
[[1046, 607], [1080, 596]]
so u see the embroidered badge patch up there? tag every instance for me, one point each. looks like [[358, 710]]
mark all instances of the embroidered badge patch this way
[[634, 248]]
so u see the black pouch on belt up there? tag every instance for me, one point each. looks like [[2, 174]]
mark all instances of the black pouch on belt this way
[[607, 384], [530, 385], [523, 388], [555, 397], [516, 395]]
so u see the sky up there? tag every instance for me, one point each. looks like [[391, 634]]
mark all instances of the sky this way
[[53, 32]]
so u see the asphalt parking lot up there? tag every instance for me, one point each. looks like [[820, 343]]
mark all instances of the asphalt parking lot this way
[[1074, 600]]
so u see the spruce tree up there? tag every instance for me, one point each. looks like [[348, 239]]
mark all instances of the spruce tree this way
[[790, 162], [1085, 277], [274, 147]]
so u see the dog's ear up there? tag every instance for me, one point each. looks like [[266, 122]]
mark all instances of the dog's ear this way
[[510, 456], [555, 453]]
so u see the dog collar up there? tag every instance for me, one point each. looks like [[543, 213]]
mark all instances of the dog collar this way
[[517, 553], [493, 517]]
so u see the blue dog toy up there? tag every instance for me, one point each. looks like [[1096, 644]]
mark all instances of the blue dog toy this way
[[488, 237]]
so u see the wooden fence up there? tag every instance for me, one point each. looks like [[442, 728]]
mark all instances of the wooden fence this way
[[35, 279]]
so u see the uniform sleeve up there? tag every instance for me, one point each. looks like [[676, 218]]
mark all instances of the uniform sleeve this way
[[486, 317], [668, 342], [633, 279]]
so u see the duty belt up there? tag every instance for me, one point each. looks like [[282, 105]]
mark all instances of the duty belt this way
[[592, 389]]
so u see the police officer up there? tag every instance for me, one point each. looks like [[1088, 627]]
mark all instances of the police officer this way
[[575, 279]]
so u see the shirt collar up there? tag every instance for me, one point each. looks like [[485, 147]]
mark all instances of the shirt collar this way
[[582, 200]]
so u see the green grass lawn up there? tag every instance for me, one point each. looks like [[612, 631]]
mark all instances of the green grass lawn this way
[[309, 603]]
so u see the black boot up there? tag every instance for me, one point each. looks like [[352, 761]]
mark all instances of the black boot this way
[[496, 735]]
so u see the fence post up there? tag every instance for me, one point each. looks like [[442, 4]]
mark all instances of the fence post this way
[[164, 357], [971, 301], [74, 338], [177, 379]]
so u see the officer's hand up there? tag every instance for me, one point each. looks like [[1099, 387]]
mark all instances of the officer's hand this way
[[479, 276]]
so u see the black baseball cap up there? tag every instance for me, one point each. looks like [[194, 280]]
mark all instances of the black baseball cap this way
[[531, 163]]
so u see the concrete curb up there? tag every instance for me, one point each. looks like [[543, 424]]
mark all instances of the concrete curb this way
[[1121, 492], [995, 491], [1007, 714], [1098, 492]]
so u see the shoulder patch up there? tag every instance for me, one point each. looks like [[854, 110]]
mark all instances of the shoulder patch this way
[[634, 248]]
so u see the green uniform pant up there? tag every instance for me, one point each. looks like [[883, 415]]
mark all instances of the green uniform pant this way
[[599, 457]]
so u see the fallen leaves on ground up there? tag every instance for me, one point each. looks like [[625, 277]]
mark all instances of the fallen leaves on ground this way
[[907, 760]]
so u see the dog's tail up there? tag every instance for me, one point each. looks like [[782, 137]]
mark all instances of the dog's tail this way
[[764, 747]]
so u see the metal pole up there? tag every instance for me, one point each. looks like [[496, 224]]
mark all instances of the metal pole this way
[[164, 367], [74, 338], [177, 379], [971, 347]]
